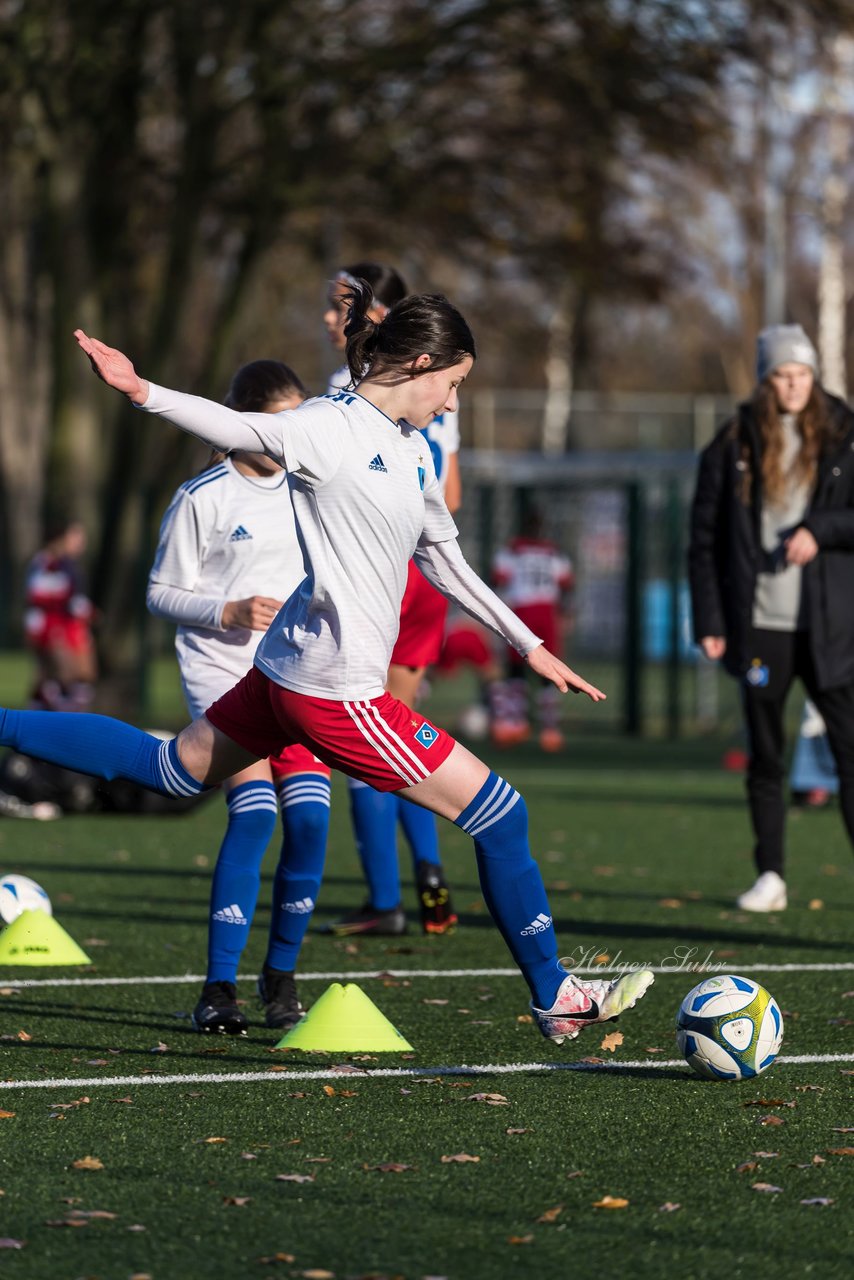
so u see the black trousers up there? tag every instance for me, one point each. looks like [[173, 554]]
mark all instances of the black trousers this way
[[778, 658]]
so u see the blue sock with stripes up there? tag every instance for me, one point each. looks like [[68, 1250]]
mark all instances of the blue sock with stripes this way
[[374, 815], [99, 745], [512, 886], [422, 834], [252, 813], [304, 801]]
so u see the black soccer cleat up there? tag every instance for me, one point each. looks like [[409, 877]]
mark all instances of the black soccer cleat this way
[[434, 899], [366, 919], [217, 1010], [277, 991]]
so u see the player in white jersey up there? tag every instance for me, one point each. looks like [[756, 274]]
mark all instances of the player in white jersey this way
[[227, 558], [365, 500], [376, 814]]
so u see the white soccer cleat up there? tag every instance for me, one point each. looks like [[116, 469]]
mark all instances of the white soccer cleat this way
[[580, 1003], [768, 894]]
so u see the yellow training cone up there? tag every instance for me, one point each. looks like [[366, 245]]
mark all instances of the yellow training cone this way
[[344, 1019], [36, 938]]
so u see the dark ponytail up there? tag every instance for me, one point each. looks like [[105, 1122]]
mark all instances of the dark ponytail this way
[[426, 323]]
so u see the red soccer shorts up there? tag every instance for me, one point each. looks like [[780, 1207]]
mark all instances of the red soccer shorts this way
[[422, 622], [296, 759], [378, 740], [464, 645]]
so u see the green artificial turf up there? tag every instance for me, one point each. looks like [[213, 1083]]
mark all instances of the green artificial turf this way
[[643, 847]]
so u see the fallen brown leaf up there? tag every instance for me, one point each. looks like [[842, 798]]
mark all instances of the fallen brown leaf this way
[[391, 1167], [209, 1140], [276, 1257], [747, 1167], [766, 1155], [87, 1162], [768, 1102], [517, 1131], [238, 1201], [491, 1099], [840, 1151], [611, 1202], [818, 1201], [294, 1177], [576, 1173], [668, 1207], [6, 1242], [673, 903], [551, 1215], [329, 1091], [316, 1273], [520, 1239], [6, 1115], [525, 1017], [771, 1120], [612, 1041], [847, 1129], [765, 1186], [24, 1035], [460, 1158]]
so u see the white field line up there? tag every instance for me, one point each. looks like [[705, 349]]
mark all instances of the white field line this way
[[380, 1073], [354, 975]]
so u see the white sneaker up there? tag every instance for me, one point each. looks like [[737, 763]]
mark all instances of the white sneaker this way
[[580, 1004], [768, 894]]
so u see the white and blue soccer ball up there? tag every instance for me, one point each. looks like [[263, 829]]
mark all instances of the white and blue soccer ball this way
[[20, 893], [729, 1028]]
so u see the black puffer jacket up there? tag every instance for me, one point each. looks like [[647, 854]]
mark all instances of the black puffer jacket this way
[[725, 549]]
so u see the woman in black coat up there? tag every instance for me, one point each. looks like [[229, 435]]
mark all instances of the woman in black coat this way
[[771, 565]]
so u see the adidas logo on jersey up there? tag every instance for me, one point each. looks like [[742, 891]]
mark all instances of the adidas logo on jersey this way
[[539, 925], [303, 907], [377, 464], [230, 915], [240, 534]]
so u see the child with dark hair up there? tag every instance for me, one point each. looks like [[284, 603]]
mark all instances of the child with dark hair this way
[[365, 499], [227, 558], [423, 611]]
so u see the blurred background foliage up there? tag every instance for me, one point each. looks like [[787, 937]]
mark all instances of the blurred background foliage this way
[[588, 179]]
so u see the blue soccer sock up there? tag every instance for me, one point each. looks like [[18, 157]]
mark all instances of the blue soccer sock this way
[[374, 815], [512, 886], [304, 800], [252, 813], [99, 745], [422, 834]]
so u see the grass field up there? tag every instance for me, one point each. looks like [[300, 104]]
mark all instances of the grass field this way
[[643, 847]]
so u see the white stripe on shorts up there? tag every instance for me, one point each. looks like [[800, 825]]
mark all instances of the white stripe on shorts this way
[[383, 744]]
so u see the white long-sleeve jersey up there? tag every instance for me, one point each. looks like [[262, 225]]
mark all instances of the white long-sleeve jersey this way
[[442, 435], [225, 536], [366, 499]]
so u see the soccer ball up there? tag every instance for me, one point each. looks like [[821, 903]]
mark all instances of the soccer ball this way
[[729, 1028], [20, 893]]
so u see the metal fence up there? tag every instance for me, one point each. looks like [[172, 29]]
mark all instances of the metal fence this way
[[622, 519]]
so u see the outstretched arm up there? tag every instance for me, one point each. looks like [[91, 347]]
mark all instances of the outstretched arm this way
[[444, 565], [212, 422]]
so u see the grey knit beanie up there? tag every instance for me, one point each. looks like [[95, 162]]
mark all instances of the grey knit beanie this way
[[783, 344]]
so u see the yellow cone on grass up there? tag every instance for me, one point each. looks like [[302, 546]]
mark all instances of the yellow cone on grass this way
[[344, 1020], [35, 938]]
